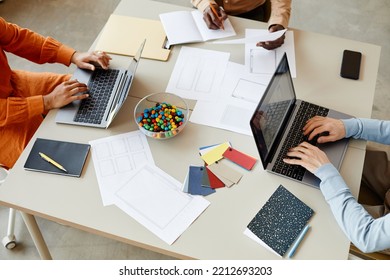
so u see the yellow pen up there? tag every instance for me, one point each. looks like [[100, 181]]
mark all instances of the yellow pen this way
[[56, 164]]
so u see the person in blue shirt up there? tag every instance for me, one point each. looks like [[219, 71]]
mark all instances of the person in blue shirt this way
[[368, 227]]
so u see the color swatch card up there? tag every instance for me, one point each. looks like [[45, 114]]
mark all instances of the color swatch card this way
[[215, 182], [226, 174], [205, 149], [196, 182], [240, 158], [215, 153], [279, 222]]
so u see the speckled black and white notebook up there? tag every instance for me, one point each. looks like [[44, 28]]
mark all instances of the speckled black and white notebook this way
[[280, 221]]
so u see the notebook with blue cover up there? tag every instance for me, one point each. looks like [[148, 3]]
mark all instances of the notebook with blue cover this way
[[280, 221]]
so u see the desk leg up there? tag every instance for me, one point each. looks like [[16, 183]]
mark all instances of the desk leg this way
[[36, 235]]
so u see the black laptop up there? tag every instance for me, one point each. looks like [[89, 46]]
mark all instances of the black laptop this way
[[277, 125]]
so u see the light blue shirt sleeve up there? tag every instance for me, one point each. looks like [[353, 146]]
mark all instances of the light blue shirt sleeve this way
[[367, 233], [368, 129]]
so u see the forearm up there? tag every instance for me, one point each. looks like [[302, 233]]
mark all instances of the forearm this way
[[368, 129], [366, 233], [280, 12]]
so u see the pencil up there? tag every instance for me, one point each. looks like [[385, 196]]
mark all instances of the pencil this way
[[216, 14], [299, 239]]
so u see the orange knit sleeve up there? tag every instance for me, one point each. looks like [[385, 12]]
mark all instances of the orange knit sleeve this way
[[53, 51], [15, 110], [33, 46]]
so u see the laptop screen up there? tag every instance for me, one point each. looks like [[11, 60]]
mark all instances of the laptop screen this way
[[271, 115], [134, 63]]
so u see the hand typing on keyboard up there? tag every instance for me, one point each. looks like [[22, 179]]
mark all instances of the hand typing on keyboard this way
[[64, 94], [307, 156], [315, 138], [324, 129], [317, 130], [88, 60]]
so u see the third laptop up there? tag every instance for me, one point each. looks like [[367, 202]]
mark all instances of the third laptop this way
[[277, 125]]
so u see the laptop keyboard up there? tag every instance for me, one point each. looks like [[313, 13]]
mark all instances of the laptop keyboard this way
[[100, 87], [295, 137]]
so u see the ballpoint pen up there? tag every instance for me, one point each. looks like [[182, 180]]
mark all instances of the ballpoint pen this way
[[299, 239], [56, 164], [216, 14]]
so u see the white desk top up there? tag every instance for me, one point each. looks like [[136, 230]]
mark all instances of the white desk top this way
[[218, 232]]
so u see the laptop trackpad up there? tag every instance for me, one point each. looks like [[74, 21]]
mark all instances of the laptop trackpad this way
[[82, 75], [335, 152], [68, 112]]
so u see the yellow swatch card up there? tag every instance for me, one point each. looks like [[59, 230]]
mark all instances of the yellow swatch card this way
[[215, 154]]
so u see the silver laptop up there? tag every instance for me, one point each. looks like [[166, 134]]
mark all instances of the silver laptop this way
[[277, 126], [107, 89]]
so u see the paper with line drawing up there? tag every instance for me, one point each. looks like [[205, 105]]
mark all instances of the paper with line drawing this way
[[238, 97], [117, 157], [155, 200], [198, 73], [261, 61]]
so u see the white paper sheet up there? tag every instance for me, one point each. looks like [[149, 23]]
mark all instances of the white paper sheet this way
[[155, 199], [263, 37], [261, 61], [198, 73], [238, 97], [253, 236], [117, 157]]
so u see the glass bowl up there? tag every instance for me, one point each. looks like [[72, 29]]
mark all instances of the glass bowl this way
[[161, 115]]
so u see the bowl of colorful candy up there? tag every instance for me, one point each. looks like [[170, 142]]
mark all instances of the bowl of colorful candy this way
[[161, 115]]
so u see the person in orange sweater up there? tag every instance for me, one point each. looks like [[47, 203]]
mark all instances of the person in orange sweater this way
[[25, 97]]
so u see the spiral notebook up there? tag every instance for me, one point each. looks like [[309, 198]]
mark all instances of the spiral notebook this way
[[279, 222], [71, 156]]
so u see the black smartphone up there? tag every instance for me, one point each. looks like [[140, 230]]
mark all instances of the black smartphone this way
[[350, 66]]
